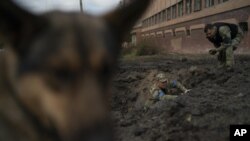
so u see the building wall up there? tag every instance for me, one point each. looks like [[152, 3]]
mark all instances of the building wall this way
[[173, 26]]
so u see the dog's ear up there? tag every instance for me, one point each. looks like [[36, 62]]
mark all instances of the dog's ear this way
[[122, 19], [16, 23]]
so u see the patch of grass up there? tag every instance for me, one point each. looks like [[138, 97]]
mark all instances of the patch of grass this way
[[140, 50], [144, 49]]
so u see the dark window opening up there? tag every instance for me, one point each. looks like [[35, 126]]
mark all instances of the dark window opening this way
[[164, 15], [188, 6], [169, 14], [180, 9], [174, 12], [244, 26], [197, 5], [174, 34], [209, 3], [188, 32]]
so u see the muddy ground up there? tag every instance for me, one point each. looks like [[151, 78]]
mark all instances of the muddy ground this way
[[217, 100]]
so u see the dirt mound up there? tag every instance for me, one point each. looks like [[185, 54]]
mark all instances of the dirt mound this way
[[218, 99]]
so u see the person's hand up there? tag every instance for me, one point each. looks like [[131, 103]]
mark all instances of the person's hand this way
[[187, 91], [234, 48], [173, 91], [212, 51]]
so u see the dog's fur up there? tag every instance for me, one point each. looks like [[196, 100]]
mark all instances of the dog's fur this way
[[55, 72]]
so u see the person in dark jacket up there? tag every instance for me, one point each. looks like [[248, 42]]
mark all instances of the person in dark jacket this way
[[226, 37]]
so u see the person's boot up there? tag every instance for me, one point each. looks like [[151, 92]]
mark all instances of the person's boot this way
[[229, 68], [220, 65]]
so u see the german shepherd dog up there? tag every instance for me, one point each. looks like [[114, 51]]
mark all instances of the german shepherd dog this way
[[56, 71]]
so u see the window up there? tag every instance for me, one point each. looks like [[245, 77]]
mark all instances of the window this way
[[209, 3], [161, 17], [197, 5], [174, 34], [169, 13], [155, 19], [221, 1], [134, 40], [164, 15], [180, 9], [173, 11], [244, 26], [188, 32], [188, 6], [146, 22]]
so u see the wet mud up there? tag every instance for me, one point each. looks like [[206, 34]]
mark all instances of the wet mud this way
[[217, 100]]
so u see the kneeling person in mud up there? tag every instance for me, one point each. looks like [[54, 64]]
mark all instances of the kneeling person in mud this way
[[164, 89]]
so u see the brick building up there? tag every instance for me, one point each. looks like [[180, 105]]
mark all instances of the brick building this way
[[177, 25]]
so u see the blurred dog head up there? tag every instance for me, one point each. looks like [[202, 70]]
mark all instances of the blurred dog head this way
[[60, 64]]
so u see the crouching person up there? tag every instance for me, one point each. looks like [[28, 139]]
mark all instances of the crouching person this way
[[226, 37], [164, 89]]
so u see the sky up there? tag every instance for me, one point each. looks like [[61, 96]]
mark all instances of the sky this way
[[90, 6]]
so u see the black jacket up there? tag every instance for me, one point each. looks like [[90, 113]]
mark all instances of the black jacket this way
[[217, 40]]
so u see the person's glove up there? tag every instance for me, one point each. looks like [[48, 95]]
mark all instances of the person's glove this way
[[173, 91], [234, 48], [187, 91], [145, 109], [212, 51]]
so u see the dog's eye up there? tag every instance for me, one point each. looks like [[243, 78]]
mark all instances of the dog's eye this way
[[59, 78], [104, 74], [64, 75]]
